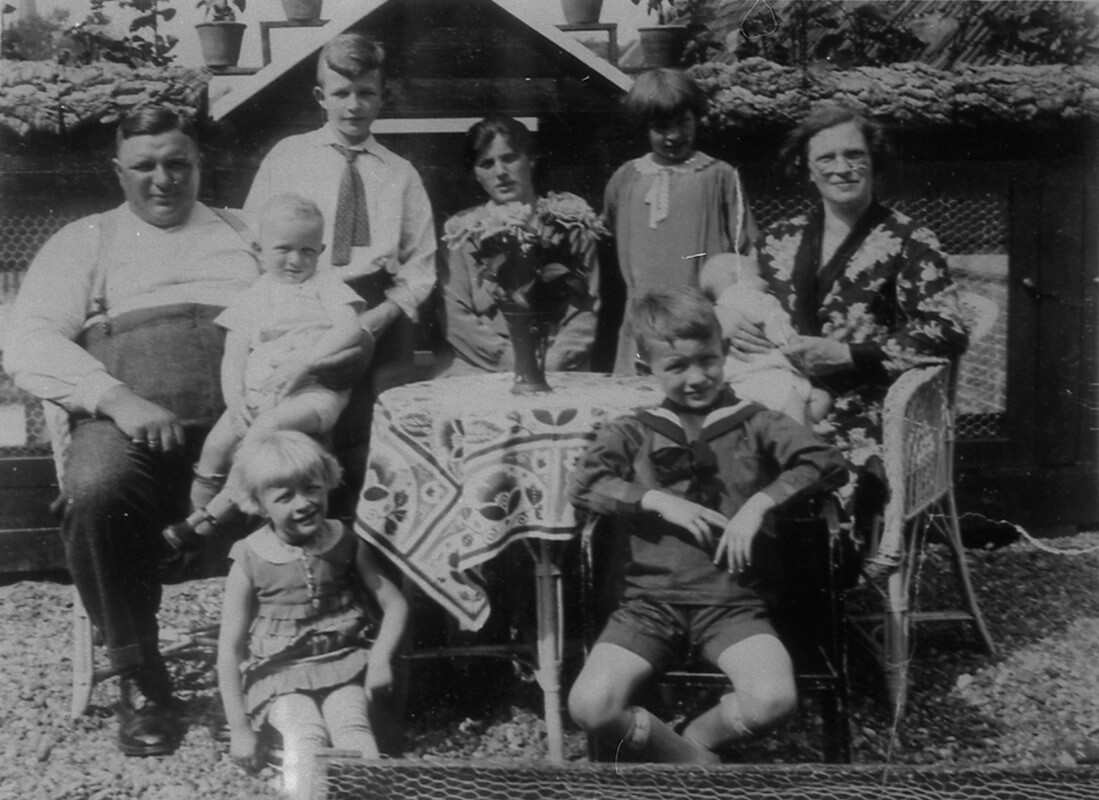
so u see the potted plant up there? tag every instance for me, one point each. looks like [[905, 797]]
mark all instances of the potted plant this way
[[220, 36], [302, 10], [582, 12], [664, 44]]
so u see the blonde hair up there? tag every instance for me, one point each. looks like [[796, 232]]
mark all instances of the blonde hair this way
[[278, 459], [292, 206]]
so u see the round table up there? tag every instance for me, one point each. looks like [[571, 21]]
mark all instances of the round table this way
[[459, 468]]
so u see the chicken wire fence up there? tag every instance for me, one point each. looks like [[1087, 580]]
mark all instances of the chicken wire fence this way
[[972, 228], [339, 776]]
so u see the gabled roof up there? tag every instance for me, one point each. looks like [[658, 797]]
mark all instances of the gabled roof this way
[[309, 41]]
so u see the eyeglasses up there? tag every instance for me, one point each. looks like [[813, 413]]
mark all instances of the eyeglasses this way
[[840, 162]]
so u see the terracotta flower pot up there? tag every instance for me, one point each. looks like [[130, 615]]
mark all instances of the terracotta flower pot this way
[[302, 10], [582, 12], [662, 45], [220, 42]]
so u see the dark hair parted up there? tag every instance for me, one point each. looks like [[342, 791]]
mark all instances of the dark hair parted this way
[[794, 152], [153, 121], [351, 55], [481, 135], [668, 315], [660, 95]]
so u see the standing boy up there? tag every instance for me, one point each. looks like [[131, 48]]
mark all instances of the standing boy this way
[[379, 229], [689, 483]]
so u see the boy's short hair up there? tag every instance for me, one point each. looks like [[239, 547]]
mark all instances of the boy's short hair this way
[[673, 314], [278, 459], [660, 95], [293, 206], [351, 55]]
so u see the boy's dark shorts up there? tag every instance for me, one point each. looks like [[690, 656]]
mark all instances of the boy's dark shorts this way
[[662, 633]]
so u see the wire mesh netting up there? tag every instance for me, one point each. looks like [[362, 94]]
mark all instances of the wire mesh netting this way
[[22, 425], [344, 777]]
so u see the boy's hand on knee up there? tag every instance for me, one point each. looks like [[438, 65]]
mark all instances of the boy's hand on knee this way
[[735, 546], [696, 519]]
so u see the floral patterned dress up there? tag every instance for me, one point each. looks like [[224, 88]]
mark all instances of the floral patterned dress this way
[[886, 292]]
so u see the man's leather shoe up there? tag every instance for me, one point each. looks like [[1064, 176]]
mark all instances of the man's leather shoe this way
[[146, 727]]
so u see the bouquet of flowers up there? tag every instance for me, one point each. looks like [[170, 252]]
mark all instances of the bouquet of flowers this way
[[531, 258]]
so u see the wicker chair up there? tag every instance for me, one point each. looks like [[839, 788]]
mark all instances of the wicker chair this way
[[811, 562], [918, 447]]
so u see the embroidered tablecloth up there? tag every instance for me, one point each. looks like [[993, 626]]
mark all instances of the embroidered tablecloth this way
[[459, 468]]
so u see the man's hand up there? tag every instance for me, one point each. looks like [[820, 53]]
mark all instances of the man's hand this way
[[696, 519], [736, 540], [377, 319], [146, 423], [347, 367], [818, 355], [286, 378]]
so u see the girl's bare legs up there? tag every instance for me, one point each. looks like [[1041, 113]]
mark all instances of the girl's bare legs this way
[[300, 723], [347, 717]]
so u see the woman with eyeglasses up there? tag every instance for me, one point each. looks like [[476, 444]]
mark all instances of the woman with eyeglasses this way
[[867, 288]]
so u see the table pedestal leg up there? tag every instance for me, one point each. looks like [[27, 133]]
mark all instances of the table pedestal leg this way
[[550, 633]]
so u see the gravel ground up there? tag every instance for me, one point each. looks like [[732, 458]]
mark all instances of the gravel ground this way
[[1035, 702]]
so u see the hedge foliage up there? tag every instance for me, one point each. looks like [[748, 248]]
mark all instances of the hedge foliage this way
[[43, 97], [758, 93]]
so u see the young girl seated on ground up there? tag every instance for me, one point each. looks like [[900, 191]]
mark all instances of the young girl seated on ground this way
[[288, 320], [689, 484], [768, 378], [295, 649]]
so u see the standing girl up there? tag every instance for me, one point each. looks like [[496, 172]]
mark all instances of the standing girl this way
[[295, 651], [675, 206]]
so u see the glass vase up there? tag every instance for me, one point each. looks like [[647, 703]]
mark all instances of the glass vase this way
[[529, 332]]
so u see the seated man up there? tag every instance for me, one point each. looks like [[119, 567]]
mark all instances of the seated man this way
[[114, 323], [690, 484]]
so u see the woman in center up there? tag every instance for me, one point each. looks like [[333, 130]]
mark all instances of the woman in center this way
[[499, 151]]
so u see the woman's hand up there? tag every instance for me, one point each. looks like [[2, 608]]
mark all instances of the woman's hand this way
[[696, 519], [746, 339], [736, 541], [244, 748], [818, 355]]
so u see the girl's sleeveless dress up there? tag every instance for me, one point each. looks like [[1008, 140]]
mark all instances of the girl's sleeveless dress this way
[[311, 630]]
